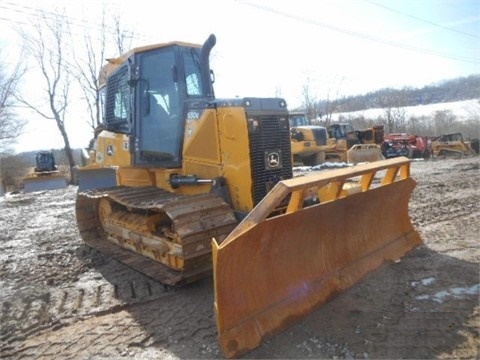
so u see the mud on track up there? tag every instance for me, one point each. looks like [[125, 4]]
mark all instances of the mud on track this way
[[60, 299]]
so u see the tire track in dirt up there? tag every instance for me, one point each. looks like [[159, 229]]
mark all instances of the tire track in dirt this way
[[36, 311], [48, 278], [456, 196], [129, 329], [64, 300]]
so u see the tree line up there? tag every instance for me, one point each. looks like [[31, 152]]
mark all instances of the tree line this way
[[66, 70], [66, 64], [458, 89], [394, 116]]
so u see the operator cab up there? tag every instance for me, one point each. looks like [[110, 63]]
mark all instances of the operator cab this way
[[146, 97], [343, 131], [45, 162], [296, 120]]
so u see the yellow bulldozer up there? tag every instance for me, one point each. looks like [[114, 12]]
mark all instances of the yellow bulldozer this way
[[182, 185], [344, 145], [45, 174], [309, 142], [372, 135]]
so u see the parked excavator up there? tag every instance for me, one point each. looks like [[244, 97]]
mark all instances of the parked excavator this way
[[182, 185], [45, 175], [309, 142]]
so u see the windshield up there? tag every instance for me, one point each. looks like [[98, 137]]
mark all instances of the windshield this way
[[160, 123], [168, 76], [298, 120], [342, 131]]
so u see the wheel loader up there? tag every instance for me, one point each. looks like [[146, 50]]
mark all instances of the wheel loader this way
[[309, 142], [45, 175], [182, 185]]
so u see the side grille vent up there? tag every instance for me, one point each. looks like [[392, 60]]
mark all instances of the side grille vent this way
[[271, 158]]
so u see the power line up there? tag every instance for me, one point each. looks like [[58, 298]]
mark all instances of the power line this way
[[27, 13], [80, 23], [362, 35], [422, 20], [33, 11]]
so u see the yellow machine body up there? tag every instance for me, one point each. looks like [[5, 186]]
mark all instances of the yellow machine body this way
[[210, 151], [345, 145], [162, 183], [360, 153], [452, 145], [309, 142], [45, 175]]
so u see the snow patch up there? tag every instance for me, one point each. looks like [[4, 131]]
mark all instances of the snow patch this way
[[322, 166], [424, 282], [461, 109], [457, 292]]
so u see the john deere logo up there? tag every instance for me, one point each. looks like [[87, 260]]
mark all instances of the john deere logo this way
[[273, 160]]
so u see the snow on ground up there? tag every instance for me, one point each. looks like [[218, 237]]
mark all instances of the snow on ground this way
[[463, 110]]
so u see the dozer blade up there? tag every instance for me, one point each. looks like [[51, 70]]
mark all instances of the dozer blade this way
[[272, 270], [96, 178], [360, 153], [44, 183]]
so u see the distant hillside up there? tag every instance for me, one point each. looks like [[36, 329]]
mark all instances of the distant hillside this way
[[446, 91], [462, 111]]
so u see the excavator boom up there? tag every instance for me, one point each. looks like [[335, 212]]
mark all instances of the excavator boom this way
[[273, 270]]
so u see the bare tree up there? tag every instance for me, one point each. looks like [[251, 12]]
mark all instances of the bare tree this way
[[394, 108], [48, 45], [419, 125], [473, 111], [13, 170], [10, 125], [309, 100], [278, 92], [444, 122], [87, 65], [331, 103], [123, 36]]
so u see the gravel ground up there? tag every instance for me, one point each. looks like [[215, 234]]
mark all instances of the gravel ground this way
[[60, 299]]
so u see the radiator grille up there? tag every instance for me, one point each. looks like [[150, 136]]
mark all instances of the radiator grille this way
[[320, 136], [271, 138]]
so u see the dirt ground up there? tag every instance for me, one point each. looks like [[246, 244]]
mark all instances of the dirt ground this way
[[60, 299]]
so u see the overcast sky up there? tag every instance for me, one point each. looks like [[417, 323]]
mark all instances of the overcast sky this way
[[274, 47]]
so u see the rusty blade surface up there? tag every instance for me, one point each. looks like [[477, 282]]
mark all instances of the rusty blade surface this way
[[271, 275]]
